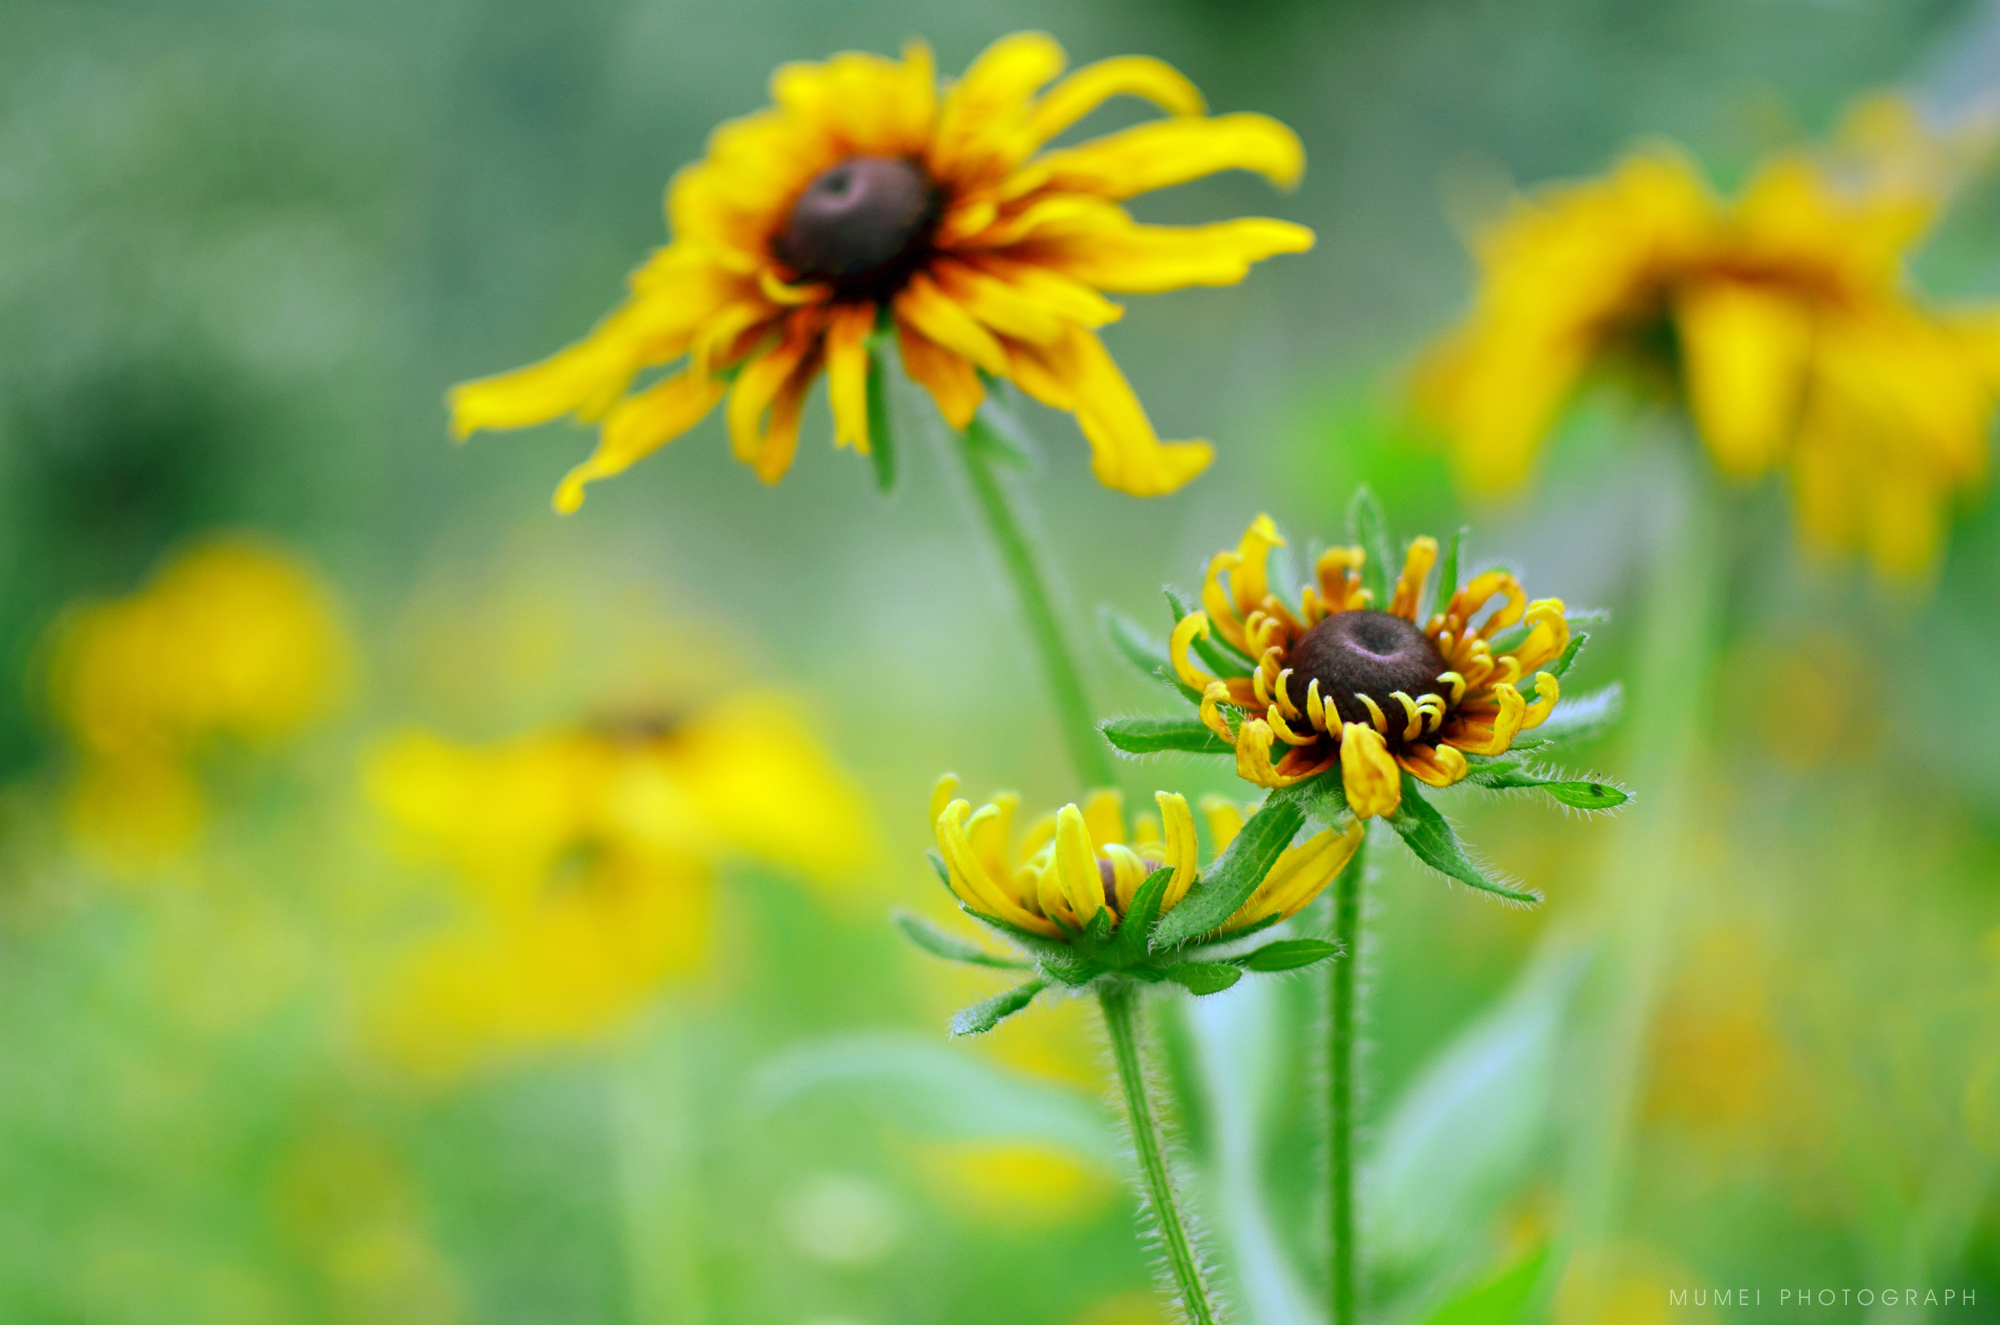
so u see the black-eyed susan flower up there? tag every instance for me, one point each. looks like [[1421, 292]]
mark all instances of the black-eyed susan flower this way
[[586, 858], [1368, 688], [1783, 321], [1379, 689], [234, 639], [868, 197], [1082, 890]]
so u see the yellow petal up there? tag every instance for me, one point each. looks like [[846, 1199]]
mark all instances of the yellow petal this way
[[1104, 816], [969, 879], [1438, 765], [1123, 75], [1183, 852], [947, 323], [1299, 875], [1078, 374], [1744, 348], [775, 381], [996, 304], [639, 426], [1369, 776], [1076, 865], [1166, 152], [981, 127], [941, 794], [1410, 584], [950, 379], [1225, 821], [1250, 577], [1191, 627], [847, 330], [591, 373], [1152, 259]]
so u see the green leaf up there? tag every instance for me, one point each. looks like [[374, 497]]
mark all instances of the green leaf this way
[[1203, 977], [1287, 955], [1437, 845], [1448, 572], [1578, 793], [1140, 917], [1222, 657], [1230, 881], [1368, 526], [1578, 719], [1501, 1299], [1144, 652], [984, 1015], [953, 949], [881, 439], [1562, 664], [1145, 736]]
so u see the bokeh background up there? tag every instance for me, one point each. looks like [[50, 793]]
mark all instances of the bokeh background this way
[[243, 253]]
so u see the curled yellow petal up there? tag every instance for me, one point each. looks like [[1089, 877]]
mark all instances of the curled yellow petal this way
[[1161, 153], [970, 881], [1437, 765], [1369, 776], [847, 331], [1549, 691], [1104, 816], [1225, 821], [1299, 875], [1213, 697], [1183, 852], [1191, 627], [640, 425], [1094, 84], [1410, 584], [1076, 865], [1153, 259]]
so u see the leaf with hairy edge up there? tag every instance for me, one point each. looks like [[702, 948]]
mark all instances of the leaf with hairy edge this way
[[1230, 880], [1448, 572], [953, 949], [1368, 526], [1579, 719], [1144, 652], [1287, 955], [881, 440], [1145, 736], [1140, 917], [1578, 793], [1203, 977], [984, 1015], [1435, 843], [1222, 657], [1562, 664]]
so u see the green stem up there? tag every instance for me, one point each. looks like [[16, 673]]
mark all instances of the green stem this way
[[1340, 1111], [1119, 1001], [1087, 748]]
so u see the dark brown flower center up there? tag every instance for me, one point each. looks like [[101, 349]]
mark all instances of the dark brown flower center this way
[[863, 226], [1366, 653]]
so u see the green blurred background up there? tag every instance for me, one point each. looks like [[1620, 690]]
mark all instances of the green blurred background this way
[[245, 249]]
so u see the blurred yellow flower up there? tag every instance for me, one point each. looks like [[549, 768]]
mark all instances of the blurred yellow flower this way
[[1371, 688], [1783, 320], [232, 639], [1081, 860], [587, 857], [1024, 1184], [867, 198]]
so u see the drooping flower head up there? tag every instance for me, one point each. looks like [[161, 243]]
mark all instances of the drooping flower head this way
[[1783, 320], [1378, 688], [1069, 866], [864, 195], [586, 858]]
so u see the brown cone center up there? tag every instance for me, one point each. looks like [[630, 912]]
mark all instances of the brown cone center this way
[[863, 226], [1366, 653]]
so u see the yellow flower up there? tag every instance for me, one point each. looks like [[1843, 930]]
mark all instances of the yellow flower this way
[[232, 639], [1382, 692], [587, 857], [1081, 860], [1782, 320], [866, 196]]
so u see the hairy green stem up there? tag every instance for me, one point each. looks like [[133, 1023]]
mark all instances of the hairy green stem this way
[[1342, 1263], [1119, 1001], [1087, 748]]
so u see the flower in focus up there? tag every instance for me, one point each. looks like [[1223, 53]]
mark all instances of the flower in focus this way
[[1380, 691], [587, 857], [1080, 861], [1783, 320], [1085, 893], [865, 197], [231, 640]]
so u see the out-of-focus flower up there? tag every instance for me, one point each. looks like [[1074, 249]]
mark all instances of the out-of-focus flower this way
[[1783, 320], [867, 198], [1376, 690], [1080, 861], [587, 857], [1025, 1184], [232, 639]]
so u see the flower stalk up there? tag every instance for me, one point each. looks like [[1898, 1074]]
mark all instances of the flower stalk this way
[[1088, 753], [1342, 1265], [1119, 1000]]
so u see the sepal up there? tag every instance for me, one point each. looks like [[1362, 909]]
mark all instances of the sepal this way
[[1436, 843], [937, 943], [1145, 736], [1203, 977], [984, 1015], [1133, 644], [1506, 774], [881, 435], [1368, 528], [1287, 955]]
